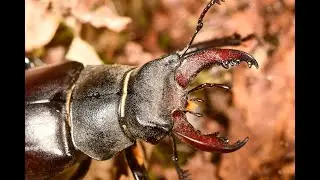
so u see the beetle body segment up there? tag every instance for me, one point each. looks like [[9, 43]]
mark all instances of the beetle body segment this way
[[48, 145], [95, 103], [71, 114]]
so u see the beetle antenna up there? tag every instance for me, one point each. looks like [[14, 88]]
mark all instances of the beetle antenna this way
[[200, 24], [210, 85], [182, 174]]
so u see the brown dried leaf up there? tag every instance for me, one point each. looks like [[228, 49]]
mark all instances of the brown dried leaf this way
[[83, 52], [201, 167], [100, 169], [264, 111], [134, 55], [40, 24], [123, 177], [102, 17]]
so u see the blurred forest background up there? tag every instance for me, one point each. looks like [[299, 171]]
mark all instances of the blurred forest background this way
[[260, 104]]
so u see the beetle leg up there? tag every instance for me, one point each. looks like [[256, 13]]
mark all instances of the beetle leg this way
[[182, 174], [32, 62], [28, 64], [201, 86], [82, 170], [136, 162], [205, 142]]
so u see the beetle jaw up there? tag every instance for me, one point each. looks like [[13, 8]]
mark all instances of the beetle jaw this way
[[191, 65], [184, 131], [194, 63]]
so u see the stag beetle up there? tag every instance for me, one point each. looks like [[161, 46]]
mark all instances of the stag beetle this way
[[74, 113]]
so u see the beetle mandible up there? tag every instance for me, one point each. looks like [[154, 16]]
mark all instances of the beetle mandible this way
[[74, 113]]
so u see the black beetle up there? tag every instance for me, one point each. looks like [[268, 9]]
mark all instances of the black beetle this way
[[74, 113]]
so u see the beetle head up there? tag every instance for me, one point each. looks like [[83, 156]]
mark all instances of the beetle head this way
[[152, 96], [157, 97]]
